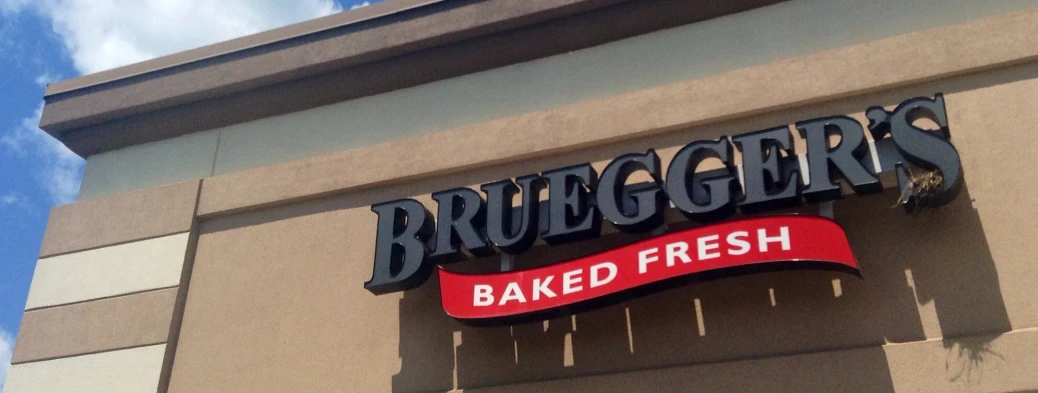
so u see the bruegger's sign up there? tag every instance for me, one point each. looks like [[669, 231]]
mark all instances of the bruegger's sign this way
[[410, 243]]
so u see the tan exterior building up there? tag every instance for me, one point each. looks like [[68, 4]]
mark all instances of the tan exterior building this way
[[224, 230]]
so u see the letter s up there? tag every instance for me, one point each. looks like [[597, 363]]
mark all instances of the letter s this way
[[928, 149]]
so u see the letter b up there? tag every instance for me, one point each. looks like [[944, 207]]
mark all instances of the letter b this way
[[404, 226], [482, 295]]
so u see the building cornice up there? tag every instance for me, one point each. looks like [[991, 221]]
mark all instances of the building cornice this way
[[371, 50]]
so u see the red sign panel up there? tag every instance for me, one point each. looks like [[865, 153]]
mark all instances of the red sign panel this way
[[764, 243]]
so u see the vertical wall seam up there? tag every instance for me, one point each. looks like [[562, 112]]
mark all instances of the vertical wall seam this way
[[178, 308], [216, 154]]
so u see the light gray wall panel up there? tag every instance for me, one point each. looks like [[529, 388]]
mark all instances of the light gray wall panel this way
[[149, 165]]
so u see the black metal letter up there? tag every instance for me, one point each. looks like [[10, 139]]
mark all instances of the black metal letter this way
[[928, 149], [461, 217], [767, 185], [649, 199], [719, 187], [570, 217], [845, 158], [403, 228], [505, 234]]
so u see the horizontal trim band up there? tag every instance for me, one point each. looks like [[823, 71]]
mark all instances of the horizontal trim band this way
[[108, 271], [427, 43], [96, 326], [241, 44], [133, 370], [120, 218]]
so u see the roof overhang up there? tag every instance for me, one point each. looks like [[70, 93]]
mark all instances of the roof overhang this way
[[383, 47]]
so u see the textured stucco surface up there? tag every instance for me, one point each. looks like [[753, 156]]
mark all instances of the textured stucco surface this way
[[121, 218], [127, 371], [99, 326], [108, 271]]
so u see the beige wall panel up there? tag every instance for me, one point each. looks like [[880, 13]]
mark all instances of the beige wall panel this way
[[782, 84], [108, 271], [120, 218], [127, 371], [278, 292], [1000, 364], [96, 326]]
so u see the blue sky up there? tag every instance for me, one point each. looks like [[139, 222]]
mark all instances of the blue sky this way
[[42, 41]]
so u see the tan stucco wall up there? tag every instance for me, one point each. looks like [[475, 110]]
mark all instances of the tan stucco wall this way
[[272, 259], [96, 326], [277, 304]]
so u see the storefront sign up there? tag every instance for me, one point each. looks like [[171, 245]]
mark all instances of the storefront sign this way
[[410, 243], [764, 243]]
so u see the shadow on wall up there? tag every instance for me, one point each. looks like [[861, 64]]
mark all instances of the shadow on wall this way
[[946, 260], [925, 275]]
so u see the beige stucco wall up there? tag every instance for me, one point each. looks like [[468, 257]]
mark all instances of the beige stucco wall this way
[[272, 259], [946, 302]]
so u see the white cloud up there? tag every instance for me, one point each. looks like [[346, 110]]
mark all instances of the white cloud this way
[[12, 6], [59, 168], [46, 78], [17, 200], [104, 34], [6, 349], [364, 4]]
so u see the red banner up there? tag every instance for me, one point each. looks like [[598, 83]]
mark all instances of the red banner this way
[[765, 242]]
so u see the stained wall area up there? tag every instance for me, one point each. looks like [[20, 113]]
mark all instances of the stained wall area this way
[[251, 279]]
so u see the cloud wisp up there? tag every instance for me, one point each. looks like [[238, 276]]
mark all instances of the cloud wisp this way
[[6, 349], [104, 34], [46, 78], [58, 168]]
